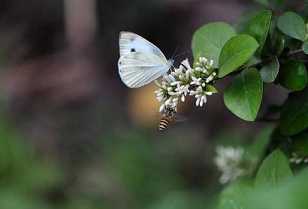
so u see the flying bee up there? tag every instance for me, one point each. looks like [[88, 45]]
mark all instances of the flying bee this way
[[168, 117]]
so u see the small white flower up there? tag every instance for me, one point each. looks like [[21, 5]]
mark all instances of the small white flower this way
[[183, 98], [175, 100], [159, 95], [175, 83], [161, 108], [198, 69], [201, 99], [204, 70], [211, 63], [203, 60], [168, 101], [186, 64], [183, 89], [195, 81], [188, 73], [177, 71], [204, 64], [296, 159], [183, 81], [211, 77], [198, 90]]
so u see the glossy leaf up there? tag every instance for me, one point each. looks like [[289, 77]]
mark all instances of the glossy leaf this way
[[293, 75], [305, 47], [278, 43], [233, 197], [294, 116], [270, 71], [290, 194], [243, 97], [209, 40], [258, 27], [258, 147], [273, 170], [236, 52], [292, 25]]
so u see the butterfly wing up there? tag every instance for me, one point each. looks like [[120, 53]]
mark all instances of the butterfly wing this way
[[131, 42], [137, 69]]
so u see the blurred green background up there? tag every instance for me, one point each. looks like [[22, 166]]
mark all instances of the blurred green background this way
[[72, 136]]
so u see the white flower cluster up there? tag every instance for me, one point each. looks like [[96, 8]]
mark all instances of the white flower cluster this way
[[183, 81], [297, 159], [229, 161]]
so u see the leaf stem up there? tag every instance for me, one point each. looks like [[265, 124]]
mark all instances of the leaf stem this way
[[288, 55], [295, 52]]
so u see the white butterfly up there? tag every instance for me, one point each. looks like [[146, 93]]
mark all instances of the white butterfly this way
[[141, 62]]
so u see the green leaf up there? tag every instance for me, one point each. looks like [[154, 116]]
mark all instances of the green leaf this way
[[273, 170], [178, 200], [253, 61], [270, 71], [243, 97], [258, 147], [209, 39], [211, 88], [278, 43], [258, 27], [254, 152], [293, 75], [291, 194], [292, 25], [236, 52], [294, 115], [233, 197], [305, 47]]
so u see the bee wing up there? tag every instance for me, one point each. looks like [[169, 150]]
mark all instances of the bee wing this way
[[180, 118]]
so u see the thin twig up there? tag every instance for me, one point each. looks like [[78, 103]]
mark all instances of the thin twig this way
[[267, 120], [295, 52]]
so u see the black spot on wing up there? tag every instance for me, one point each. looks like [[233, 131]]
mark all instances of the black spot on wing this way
[[132, 50]]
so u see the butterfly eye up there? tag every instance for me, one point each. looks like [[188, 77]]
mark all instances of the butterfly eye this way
[[132, 50]]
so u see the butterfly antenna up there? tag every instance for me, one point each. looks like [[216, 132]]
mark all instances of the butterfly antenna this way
[[174, 53]]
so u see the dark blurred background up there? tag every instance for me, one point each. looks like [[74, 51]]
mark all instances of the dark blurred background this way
[[73, 136]]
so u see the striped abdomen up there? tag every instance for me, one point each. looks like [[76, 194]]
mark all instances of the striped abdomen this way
[[163, 123]]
